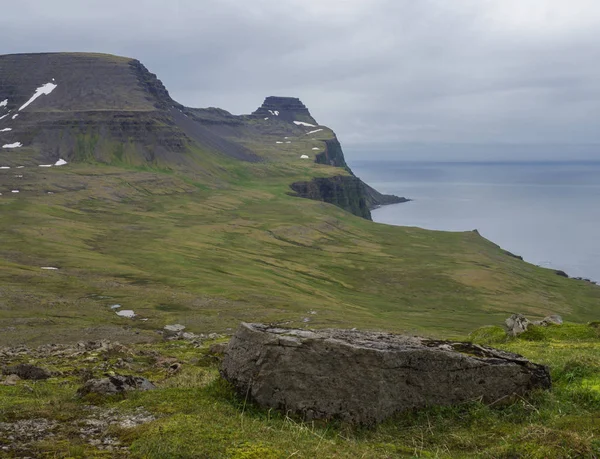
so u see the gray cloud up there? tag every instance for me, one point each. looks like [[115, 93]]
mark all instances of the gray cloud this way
[[392, 77]]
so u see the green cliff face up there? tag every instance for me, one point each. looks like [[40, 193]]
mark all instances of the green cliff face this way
[[347, 192]]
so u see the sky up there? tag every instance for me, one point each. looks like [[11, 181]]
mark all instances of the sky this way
[[395, 79]]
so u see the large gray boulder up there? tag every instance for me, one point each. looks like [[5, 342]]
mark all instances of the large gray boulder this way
[[365, 377]]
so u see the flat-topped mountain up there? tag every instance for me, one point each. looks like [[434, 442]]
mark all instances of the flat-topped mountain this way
[[286, 108], [76, 107]]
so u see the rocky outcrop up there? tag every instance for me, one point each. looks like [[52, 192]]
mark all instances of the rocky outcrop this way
[[334, 156], [366, 377], [518, 323], [345, 191]]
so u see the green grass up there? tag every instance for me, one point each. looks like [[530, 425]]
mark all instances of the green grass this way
[[231, 245], [198, 414]]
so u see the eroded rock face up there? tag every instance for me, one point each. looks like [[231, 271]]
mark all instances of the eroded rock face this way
[[365, 377]]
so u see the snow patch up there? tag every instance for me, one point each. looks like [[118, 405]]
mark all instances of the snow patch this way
[[3, 116], [14, 191], [18, 176], [49, 268], [13, 145], [4, 167], [60, 162], [45, 165], [300, 123], [313, 132], [4, 103], [115, 306], [14, 116], [278, 142], [276, 113], [42, 90], [304, 157], [127, 313], [5, 129], [266, 118], [289, 141], [20, 167], [316, 149]]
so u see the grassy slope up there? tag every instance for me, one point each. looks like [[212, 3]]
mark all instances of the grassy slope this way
[[230, 244], [199, 416]]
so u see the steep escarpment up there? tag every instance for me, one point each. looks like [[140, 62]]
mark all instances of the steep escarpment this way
[[345, 191], [349, 193]]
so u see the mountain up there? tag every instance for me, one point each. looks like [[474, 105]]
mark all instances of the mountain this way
[[91, 107], [192, 216]]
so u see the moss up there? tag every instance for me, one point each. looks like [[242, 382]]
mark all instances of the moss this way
[[489, 335]]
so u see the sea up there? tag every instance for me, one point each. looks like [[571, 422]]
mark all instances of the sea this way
[[547, 212]]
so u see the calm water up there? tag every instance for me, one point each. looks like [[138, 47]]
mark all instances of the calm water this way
[[549, 213]]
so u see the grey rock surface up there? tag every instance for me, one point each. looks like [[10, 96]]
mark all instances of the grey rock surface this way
[[550, 320], [115, 385], [518, 323], [365, 377]]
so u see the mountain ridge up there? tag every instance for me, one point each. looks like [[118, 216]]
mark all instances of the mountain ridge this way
[[112, 109]]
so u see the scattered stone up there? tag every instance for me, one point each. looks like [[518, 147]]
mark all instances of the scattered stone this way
[[173, 332], [27, 371], [518, 323], [127, 313], [115, 385], [11, 380], [366, 377], [550, 320], [26, 431]]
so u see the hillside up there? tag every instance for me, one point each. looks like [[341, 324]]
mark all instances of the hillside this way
[[192, 216]]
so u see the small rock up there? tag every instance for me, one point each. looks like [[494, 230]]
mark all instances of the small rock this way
[[550, 320], [172, 332], [27, 371], [516, 324], [11, 380], [115, 385]]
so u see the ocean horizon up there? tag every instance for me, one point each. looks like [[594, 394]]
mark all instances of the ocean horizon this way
[[545, 211]]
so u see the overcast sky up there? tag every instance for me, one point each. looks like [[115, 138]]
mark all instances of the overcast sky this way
[[454, 79]]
